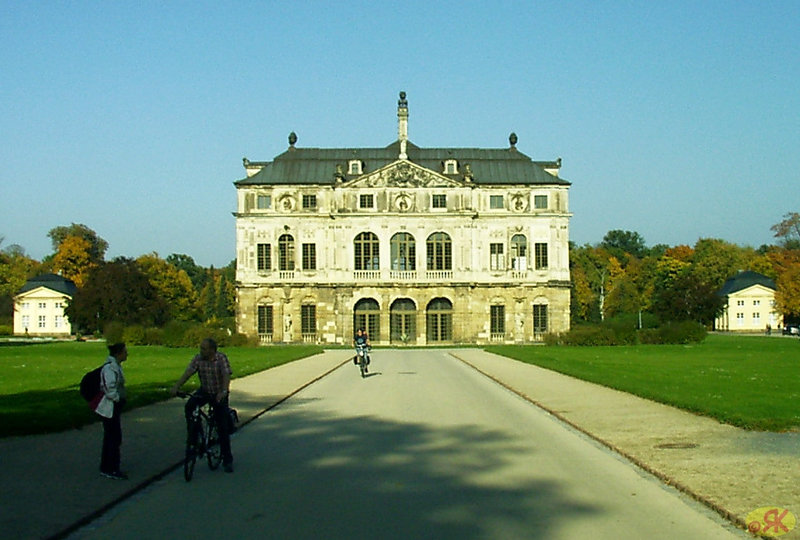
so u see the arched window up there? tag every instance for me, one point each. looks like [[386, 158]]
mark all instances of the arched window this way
[[366, 252], [519, 252], [367, 315], [440, 252], [403, 321], [440, 320], [286, 252], [403, 252]]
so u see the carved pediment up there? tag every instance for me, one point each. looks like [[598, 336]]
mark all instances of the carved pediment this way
[[403, 174]]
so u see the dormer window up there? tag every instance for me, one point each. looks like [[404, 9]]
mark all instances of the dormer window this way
[[355, 166], [451, 166]]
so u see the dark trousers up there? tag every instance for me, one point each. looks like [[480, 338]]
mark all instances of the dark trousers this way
[[221, 416], [112, 441]]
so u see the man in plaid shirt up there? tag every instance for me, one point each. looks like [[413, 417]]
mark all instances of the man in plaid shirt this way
[[214, 371]]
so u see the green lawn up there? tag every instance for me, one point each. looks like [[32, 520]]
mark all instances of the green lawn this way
[[751, 382], [39, 391], [747, 381]]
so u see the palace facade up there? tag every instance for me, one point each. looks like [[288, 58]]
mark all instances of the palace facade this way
[[419, 246]]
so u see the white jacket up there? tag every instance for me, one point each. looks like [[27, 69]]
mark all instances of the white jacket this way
[[112, 383]]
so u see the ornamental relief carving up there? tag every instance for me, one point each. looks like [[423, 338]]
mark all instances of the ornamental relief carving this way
[[406, 175], [286, 203], [519, 202], [404, 202]]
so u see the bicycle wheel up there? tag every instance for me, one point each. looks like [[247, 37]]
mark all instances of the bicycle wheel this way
[[192, 451], [363, 366], [213, 450]]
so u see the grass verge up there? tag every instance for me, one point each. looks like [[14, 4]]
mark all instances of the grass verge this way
[[747, 381], [40, 381]]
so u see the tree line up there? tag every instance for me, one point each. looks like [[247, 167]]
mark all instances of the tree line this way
[[618, 277], [622, 277], [147, 291]]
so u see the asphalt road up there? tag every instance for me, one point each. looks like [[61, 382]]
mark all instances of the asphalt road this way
[[425, 447]]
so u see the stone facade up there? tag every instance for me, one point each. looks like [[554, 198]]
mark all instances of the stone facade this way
[[419, 246]]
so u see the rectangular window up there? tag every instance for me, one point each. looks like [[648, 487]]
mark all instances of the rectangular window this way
[[59, 305], [59, 321], [42, 305], [26, 321], [309, 202], [756, 302], [308, 319], [740, 302], [540, 255], [264, 319], [540, 202], [498, 320], [264, 202], [496, 260], [309, 256], [366, 201], [439, 201], [264, 257], [539, 319], [42, 321], [496, 201]]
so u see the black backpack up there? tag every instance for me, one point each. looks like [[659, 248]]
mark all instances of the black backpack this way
[[90, 384]]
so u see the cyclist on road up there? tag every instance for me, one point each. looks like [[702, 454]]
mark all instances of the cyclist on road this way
[[361, 340], [214, 371]]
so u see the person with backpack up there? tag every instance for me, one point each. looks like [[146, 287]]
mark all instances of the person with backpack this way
[[109, 407]]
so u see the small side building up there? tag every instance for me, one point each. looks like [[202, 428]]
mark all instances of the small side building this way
[[749, 304], [39, 306]]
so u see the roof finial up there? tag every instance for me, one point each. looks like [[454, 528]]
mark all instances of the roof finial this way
[[292, 139], [402, 124], [512, 139]]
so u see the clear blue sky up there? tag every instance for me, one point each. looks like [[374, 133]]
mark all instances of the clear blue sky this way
[[678, 120]]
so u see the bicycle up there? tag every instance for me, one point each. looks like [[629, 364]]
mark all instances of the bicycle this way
[[203, 439], [362, 359]]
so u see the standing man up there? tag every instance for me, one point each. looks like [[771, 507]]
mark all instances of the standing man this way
[[112, 383], [214, 371]]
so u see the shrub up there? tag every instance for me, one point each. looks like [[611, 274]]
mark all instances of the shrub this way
[[134, 335], [153, 336], [113, 332], [682, 332], [586, 335], [173, 332], [6, 330]]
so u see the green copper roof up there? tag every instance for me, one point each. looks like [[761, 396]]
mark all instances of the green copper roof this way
[[319, 165]]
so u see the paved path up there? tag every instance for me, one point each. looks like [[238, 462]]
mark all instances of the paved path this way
[[49, 483], [424, 447]]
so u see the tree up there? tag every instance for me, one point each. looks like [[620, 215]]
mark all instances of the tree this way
[[787, 295], [116, 291], [73, 260], [172, 284], [714, 260], [196, 273], [97, 246], [15, 269], [624, 244], [788, 230]]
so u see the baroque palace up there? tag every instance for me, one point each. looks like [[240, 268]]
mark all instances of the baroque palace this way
[[419, 246]]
